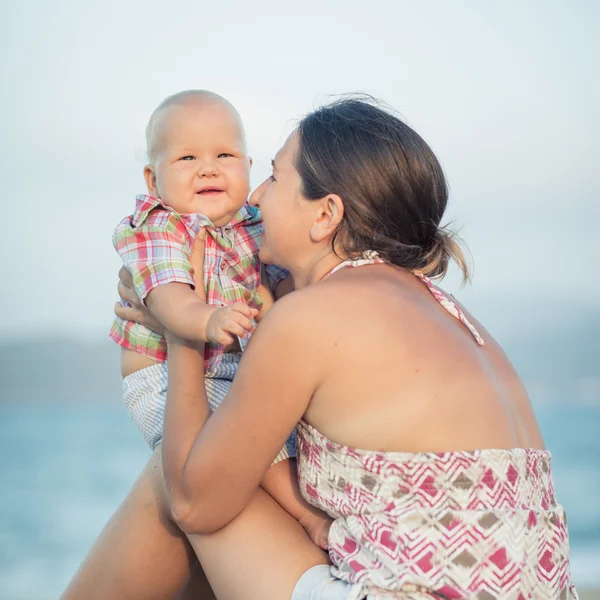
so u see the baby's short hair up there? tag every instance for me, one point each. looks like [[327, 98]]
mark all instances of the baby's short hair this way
[[182, 98]]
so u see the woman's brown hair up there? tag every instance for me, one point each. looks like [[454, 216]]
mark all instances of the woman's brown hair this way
[[392, 185]]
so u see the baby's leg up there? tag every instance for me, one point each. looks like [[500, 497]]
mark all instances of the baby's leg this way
[[140, 553], [281, 481], [259, 555]]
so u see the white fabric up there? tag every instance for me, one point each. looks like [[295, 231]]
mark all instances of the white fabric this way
[[145, 396]]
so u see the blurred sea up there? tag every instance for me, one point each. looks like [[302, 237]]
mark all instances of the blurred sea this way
[[65, 468]]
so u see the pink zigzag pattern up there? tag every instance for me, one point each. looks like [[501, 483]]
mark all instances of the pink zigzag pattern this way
[[482, 524]]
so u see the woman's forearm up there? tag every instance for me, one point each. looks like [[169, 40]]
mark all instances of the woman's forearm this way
[[186, 412]]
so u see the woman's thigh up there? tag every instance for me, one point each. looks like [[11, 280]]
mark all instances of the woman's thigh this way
[[140, 553], [261, 554]]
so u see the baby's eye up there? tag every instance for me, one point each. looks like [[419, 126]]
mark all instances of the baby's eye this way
[[271, 177], [224, 155], [188, 157]]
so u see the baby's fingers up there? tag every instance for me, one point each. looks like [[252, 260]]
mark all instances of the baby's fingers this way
[[246, 323], [239, 329], [244, 309], [223, 338]]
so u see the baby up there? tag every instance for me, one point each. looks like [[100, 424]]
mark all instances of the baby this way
[[198, 176]]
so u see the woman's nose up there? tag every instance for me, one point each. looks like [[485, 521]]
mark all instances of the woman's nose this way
[[257, 194]]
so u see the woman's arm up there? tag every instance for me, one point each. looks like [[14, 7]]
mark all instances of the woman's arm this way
[[187, 411], [213, 466]]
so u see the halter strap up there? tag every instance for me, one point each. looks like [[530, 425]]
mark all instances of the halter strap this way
[[370, 257], [451, 307]]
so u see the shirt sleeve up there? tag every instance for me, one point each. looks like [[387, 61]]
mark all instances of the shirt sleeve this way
[[275, 275], [156, 252]]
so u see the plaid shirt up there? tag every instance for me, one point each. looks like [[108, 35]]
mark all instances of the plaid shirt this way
[[155, 244]]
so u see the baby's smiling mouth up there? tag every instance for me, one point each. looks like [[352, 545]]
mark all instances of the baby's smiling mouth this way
[[209, 191]]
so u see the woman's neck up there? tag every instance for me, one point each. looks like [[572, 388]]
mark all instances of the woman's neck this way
[[315, 270]]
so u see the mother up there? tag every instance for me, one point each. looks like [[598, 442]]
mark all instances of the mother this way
[[415, 433]]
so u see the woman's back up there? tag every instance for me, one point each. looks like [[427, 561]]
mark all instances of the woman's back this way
[[425, 449], [403, 374]]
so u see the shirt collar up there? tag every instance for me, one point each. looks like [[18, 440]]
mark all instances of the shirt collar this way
[[247, 215], [144, 204]]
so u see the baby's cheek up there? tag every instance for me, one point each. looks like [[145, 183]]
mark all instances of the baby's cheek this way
[[243, 171]]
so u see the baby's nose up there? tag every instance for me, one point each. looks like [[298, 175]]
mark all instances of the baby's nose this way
[[207, 169]]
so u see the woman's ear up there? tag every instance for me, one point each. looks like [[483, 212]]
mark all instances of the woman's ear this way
[[150, 177], [329, 216]]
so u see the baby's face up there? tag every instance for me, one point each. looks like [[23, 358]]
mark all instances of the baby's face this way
[[200, 163]]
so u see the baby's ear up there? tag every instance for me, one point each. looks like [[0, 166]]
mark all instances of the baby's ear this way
[[150, 177]]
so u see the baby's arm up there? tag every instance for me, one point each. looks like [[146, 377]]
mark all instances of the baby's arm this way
[[281, 482], [158, 255], [186, 315]]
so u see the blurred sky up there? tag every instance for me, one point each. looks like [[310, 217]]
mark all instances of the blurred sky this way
[[506, 93]]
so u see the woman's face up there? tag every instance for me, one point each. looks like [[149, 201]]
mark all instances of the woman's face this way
[[287, 214]]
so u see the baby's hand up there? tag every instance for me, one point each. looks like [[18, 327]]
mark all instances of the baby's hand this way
[[229, 321]]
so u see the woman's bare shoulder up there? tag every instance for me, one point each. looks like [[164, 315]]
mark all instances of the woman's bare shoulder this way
[[303, 315], [300, 306]]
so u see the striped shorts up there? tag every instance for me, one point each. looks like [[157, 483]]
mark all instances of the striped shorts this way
[[145, 396]]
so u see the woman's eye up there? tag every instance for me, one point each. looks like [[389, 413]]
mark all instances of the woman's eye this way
[[189, 157], [271, 177], [224, 155]]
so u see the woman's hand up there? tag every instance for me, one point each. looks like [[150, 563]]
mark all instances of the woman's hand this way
[[137, 312], [197, 262]]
